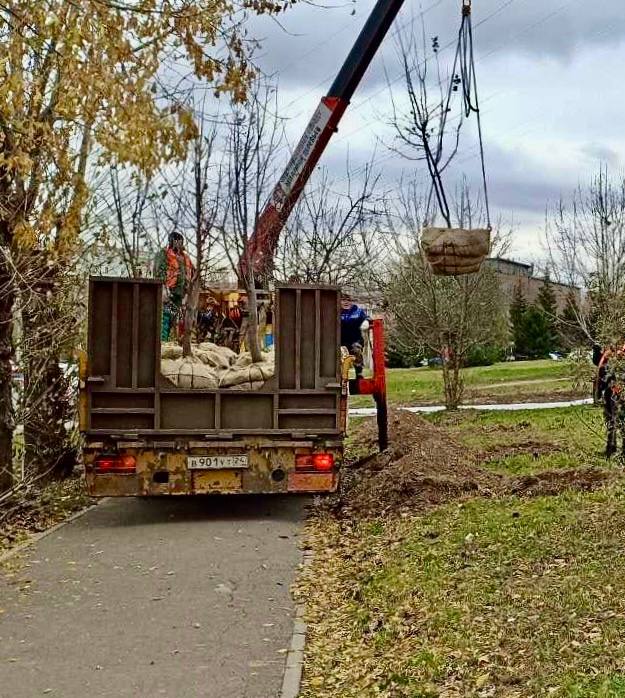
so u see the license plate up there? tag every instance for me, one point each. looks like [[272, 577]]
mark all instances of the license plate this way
[[216, 462]]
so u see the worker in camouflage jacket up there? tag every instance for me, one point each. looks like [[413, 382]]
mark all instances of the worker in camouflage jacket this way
[[609, 389], [174, 268]]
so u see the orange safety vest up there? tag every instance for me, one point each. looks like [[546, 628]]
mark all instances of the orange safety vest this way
[[173, 268], [608, 354]]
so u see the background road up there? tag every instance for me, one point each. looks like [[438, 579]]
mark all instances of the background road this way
[[159, 597]]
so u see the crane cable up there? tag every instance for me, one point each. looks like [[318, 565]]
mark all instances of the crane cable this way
[[464, 63], [469, 81]]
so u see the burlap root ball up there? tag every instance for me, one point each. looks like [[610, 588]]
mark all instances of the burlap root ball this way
[[455, 251]]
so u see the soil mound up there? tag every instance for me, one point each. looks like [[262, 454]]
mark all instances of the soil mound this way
[[553, 482], [424, 466]]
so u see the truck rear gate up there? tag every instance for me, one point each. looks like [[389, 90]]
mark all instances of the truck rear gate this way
[[144, 436]]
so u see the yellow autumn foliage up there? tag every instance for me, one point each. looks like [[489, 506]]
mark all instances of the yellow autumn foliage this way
[[84, 79]]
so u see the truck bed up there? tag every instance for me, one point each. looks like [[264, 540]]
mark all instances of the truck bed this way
[[127, 407]]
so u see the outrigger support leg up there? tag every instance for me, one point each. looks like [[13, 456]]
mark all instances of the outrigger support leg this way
[[382, 417]]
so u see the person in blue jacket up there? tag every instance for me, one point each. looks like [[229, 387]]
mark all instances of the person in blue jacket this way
[[354, 321]]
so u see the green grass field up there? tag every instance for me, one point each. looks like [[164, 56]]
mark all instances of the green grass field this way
[[520, 381], [504, 596], [510, 597], [530, 441]]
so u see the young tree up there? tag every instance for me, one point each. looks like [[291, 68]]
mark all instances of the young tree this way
[[122, 226], [206, 192], [586, 242], [422, 132], [85, 77], [448, 316], [445, 316], [254, 136]]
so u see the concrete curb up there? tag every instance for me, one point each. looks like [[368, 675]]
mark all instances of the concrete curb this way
[[36, 537], [292, 680]]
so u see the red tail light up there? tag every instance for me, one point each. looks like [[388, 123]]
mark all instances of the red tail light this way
[[116, 464], [315, 461], [323, 461]]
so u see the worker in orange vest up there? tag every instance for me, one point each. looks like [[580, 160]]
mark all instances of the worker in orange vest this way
[[174, 268]]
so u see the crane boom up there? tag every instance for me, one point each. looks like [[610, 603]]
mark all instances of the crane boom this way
[[259, 252]]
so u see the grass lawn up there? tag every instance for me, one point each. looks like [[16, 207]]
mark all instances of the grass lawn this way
[[502, 596], [514, 381], [530, 441]]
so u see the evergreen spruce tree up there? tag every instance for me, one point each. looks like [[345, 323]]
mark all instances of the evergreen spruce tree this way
[[537, 333], [518, 311], [547, 304]]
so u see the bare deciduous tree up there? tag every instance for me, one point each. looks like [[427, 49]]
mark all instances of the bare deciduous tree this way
[[421, 122], [444, 316], [7, 354], [254, 136], [586, 245], [332, 236], [198, 194], [126, 207]]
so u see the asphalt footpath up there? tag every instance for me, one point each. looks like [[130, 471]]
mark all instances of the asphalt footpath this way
[[154, 597]]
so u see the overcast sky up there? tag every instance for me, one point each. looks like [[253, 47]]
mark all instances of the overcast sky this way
[[550, 76]]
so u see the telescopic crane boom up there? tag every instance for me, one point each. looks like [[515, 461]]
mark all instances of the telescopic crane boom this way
[[258, 256]]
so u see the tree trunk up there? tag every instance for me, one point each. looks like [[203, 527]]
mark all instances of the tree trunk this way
[[253, 340], [452, 381], [48, 405], [190, 315], [7, 300]]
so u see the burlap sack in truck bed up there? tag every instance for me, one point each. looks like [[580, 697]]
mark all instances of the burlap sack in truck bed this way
[[455, 251], [211, 367]]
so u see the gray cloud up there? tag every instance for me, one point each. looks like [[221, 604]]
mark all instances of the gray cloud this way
[[552, 97], [312, 42], [556, 28], [601, 154]]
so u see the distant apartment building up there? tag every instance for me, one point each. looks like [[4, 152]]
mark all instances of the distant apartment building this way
[[513, 275]]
